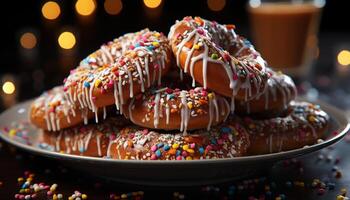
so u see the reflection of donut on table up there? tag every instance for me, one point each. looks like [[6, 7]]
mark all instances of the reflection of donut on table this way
[[302, 124], [114, 138], [142, 62], [202, 47], [175, 109]]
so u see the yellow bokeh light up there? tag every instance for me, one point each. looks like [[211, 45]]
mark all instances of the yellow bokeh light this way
[[85, 7], [66, 40], [28, 40], [152, 3], [344, 57], [113, 7], [51, 10], [8, 87], [216, 5]]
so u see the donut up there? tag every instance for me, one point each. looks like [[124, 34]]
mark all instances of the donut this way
[[142, 62], [204, 48], [108, 53], [85, 140], [52, 111], [302, 124], [176, 109], [280, 91], [115, 139]]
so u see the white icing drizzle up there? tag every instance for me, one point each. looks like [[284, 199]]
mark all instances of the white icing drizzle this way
[[109, 148], [116, 95], [277, 83], [57, 146], [139, 70], [104, 112], [147, 71], [162, 102], [96, 115], [120, 94], [87, 140], [98, 142], [131, 108], [84, 83], [156, 110], [167, 113], [52, 103], [210, 114], [185, 114], [230, 67]]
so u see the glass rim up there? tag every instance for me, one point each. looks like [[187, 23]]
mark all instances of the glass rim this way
[[317, 3]]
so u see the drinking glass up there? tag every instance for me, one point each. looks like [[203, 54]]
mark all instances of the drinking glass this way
[[285, 32]]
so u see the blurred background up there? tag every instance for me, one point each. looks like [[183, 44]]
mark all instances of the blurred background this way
[[43, 40]]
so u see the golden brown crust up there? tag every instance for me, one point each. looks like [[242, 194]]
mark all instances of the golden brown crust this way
[[279, 92], [52, 111], [175, 109], [198, 49], [219, 142], [116, 139], [302, 124], [85, 140], [190, 123], [142, 62]]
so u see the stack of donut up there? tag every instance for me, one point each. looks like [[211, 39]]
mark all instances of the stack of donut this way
[[203, 92]]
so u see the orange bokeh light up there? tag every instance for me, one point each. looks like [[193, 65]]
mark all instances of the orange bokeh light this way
[[51, 10], [85, 7], [113, 7], [28, 40], [344, 57], [216, 5], [152, 3], [66, 40]]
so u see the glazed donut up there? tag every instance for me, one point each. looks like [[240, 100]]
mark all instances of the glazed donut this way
[[273, 101], [109, 139], [175, 109], [52, 111], [85, 140], [108, 53], [202, 47], [142, 62], [302, 124]]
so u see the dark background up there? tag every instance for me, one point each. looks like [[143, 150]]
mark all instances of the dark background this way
[[46, 65]]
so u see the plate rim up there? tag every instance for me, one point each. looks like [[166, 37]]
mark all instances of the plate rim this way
[[332, 111]]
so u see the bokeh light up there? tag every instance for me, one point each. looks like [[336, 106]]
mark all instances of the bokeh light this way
[[254, 3], [8, 87], [51, 10], [28, 40], [113, 7], [66, 40], [152, 3], [216, 5], [85, 7], [344, 57]]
